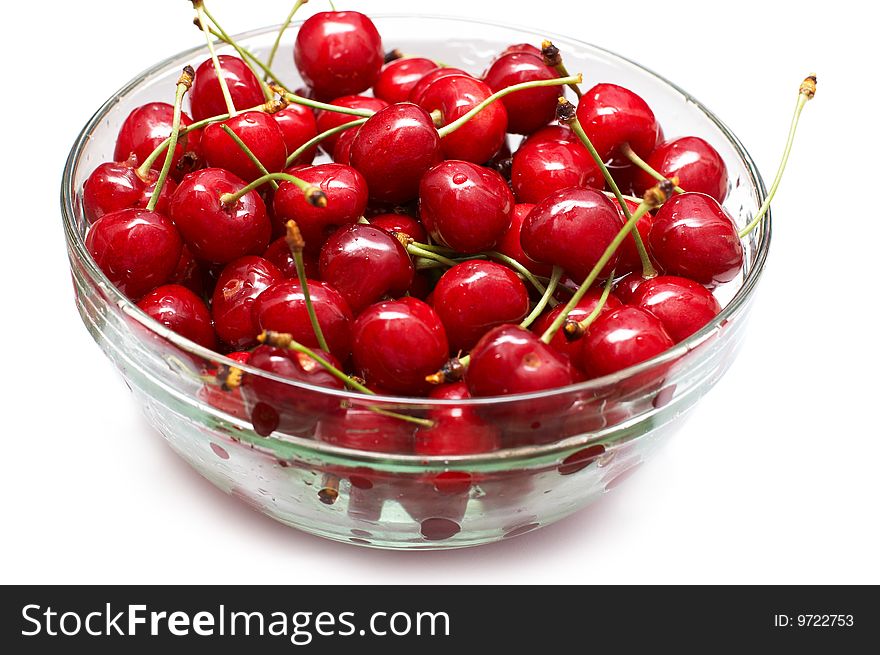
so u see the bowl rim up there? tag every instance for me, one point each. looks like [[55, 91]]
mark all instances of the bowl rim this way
[[76, 242]]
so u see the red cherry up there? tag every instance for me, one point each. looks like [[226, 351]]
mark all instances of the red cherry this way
[[694, 237], [298, 125], [399, 77], [511, 246], [206, 96], [237, 289], [148, 126], [115, 185], [697, 165], [465, 206], [628, 255], [189, 273], [510, 360], [338, 53], [346, 191], [625, 288], [682, 305], [622, 338], [136, 249], [278, 253], [584, 308], [364, 263], [394, 149], [215, 232], [419, 88], [571, 228], [327, 120], [547, 162], [522, 47], [399, 342], [456, 436], [342, 150], [613, 116], [473, 297], [483, 135], [527, 110], [259, 132], [282, 308], [182, 311], [401, 223], [362, 429]]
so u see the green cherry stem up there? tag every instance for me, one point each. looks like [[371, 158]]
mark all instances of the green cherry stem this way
[[281, 30], [247, 55], [565, 113], [654, 197], [202, 18], [553, 59], [283, 340], [576, 329], [414, 250], [805, 93], [323, 135], [314, 195], [522, 270], [323, 106], [254, 159], [522, 86], [296, 244], [545, 299], [184, 82], [638, 162], [221, 34]]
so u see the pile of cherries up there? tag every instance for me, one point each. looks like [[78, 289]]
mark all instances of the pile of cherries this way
[[434, 261]]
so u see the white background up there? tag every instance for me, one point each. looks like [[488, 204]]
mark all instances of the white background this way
[[774, 479]]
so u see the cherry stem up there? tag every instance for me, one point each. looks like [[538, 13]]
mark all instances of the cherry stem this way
[[522, 86], [314, 195], [805, 93], [283, 340], [416, 251], [320, 137], [323, 106], [545, 299], [565, 113], [283, 28], [553, 58], [201, 17], [637, 161], [654, 197], [254, 159], [296, 244], [574, 329], [184, 82], [519, 268]]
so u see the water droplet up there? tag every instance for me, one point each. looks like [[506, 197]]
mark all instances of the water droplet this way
[[459, 178]]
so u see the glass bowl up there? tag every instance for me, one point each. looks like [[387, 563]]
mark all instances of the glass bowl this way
[[564, 448]]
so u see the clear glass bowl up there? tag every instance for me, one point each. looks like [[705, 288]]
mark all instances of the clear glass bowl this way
[[572, 444]]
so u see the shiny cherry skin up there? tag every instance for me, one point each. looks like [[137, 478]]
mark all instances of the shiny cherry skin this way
[[401, 223], [510, 360], [148, 126], [364, 263], [346, 191], [282, 308], [278, 253], [137, 250], [458, 430], [399, 77], [510, 244], [394, 149], [571, 228], [479, 138], [612, 116], [682, 305], [396, 343], [696, 164], [628, 254], [362, 429], [338, 53], [342, 150], [214, 231], [182, 311], [206, 96], [465, 206], [116, 185], [259, 132], [190, 273], [522, 47], [298, 125], [546, 163], [473, 297], [693, 237], [234, 295], [418, 89], [584, 308], [625, 288], [530, 110], [622, 338], [327, 120]]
